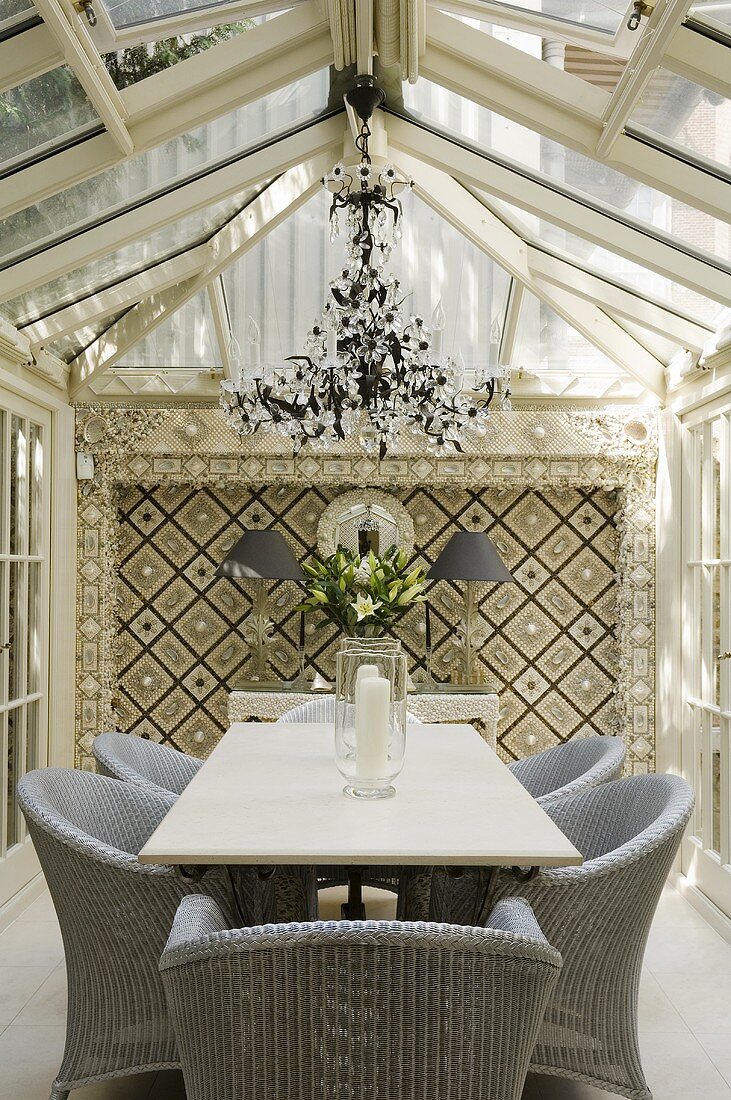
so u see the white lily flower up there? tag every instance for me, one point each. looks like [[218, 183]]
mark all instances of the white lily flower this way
[[365, 607]]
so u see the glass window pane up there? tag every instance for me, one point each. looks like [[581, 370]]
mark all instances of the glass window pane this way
[[135, 180], [35, 627], [568, 170], [126, 261], [14, 720], [16, 633], [126, 12], [136, 63], [695, 119], [48, 111], [35, 756], [185, 340], [432, 262], [35, 496], [546, 342], [18, 486], [717, 10], [10, 9], [591, 13]]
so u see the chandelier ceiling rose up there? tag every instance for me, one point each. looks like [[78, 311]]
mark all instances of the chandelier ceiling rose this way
[[366, 371]]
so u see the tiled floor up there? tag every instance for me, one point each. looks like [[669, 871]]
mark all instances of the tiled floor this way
[[685, 1013]]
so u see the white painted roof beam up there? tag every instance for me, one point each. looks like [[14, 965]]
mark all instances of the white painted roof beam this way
[[467, 214], [281, 199], [28, 55], [557, 104], [135, 224], [510, 185], [178, 99]]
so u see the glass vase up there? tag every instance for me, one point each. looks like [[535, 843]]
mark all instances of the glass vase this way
[[370, 720]]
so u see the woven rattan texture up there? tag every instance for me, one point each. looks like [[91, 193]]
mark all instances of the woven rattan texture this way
[[568, 496]]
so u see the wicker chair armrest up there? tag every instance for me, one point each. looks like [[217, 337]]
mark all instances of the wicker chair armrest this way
[[515, 915], [197, 918]]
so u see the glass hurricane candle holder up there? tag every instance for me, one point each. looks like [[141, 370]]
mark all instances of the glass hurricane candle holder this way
[[370, 721]]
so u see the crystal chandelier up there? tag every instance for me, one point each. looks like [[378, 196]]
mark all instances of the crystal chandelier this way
[[367, 371]]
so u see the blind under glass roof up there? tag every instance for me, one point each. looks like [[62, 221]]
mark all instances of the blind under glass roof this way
[[547, 342], [185, 340], [282, 282]]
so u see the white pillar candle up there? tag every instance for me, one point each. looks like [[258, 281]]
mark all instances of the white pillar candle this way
[[373, 704], [438, 321]]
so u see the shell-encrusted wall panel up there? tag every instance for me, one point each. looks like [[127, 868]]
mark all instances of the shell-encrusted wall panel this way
[[567, 497]]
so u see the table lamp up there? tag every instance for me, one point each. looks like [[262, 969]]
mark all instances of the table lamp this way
[[469, 556], [260, 556]]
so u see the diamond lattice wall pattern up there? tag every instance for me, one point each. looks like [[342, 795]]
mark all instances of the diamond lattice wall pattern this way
[[550, 648]]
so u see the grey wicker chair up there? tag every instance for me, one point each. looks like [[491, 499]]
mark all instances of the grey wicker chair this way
[[115, 916], [372, 1010], [323, 710], [598, 916], [575, 766], [292, 895], [144, 763]]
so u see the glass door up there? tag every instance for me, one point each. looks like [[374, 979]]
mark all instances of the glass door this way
[[707, 651], [24, 619]]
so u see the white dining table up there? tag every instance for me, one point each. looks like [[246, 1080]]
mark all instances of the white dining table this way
[[270, 794]]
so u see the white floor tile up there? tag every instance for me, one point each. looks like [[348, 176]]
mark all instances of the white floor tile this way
[[678, 1068], [657, 1013], [40, 910], [718, 1049], [48, 1004], [30, 1057], [688, 951], [31, 943], [702, 999], [675, 911], [17, 986]]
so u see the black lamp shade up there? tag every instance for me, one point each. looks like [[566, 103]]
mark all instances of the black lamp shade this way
[[262, 555], [469, 556]]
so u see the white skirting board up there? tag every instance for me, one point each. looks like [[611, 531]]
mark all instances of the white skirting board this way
[[718, 920], [20, 901]]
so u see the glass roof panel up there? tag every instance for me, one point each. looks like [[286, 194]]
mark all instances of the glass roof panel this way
[[546, 342], [119, 265], [186, 340], [46, 113], [568, 170], [69, 346], [135, 63], [695, 119], [125, 13], [135, 180], [598, 14], [433, 261], [608, 264], [13, 12], [718, 10]]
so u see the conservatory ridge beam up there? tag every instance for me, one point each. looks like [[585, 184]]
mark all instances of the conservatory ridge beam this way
[[115, 298], [535, 22], [633, 307], [700, 59], [666, 18], [252, 169], [26, 56], [240, 83], [467, 214], [558, 105], [281, 199], [512, 186], [93, 78]]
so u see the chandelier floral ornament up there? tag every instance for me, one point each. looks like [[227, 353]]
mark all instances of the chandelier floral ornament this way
[[367, 371]]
